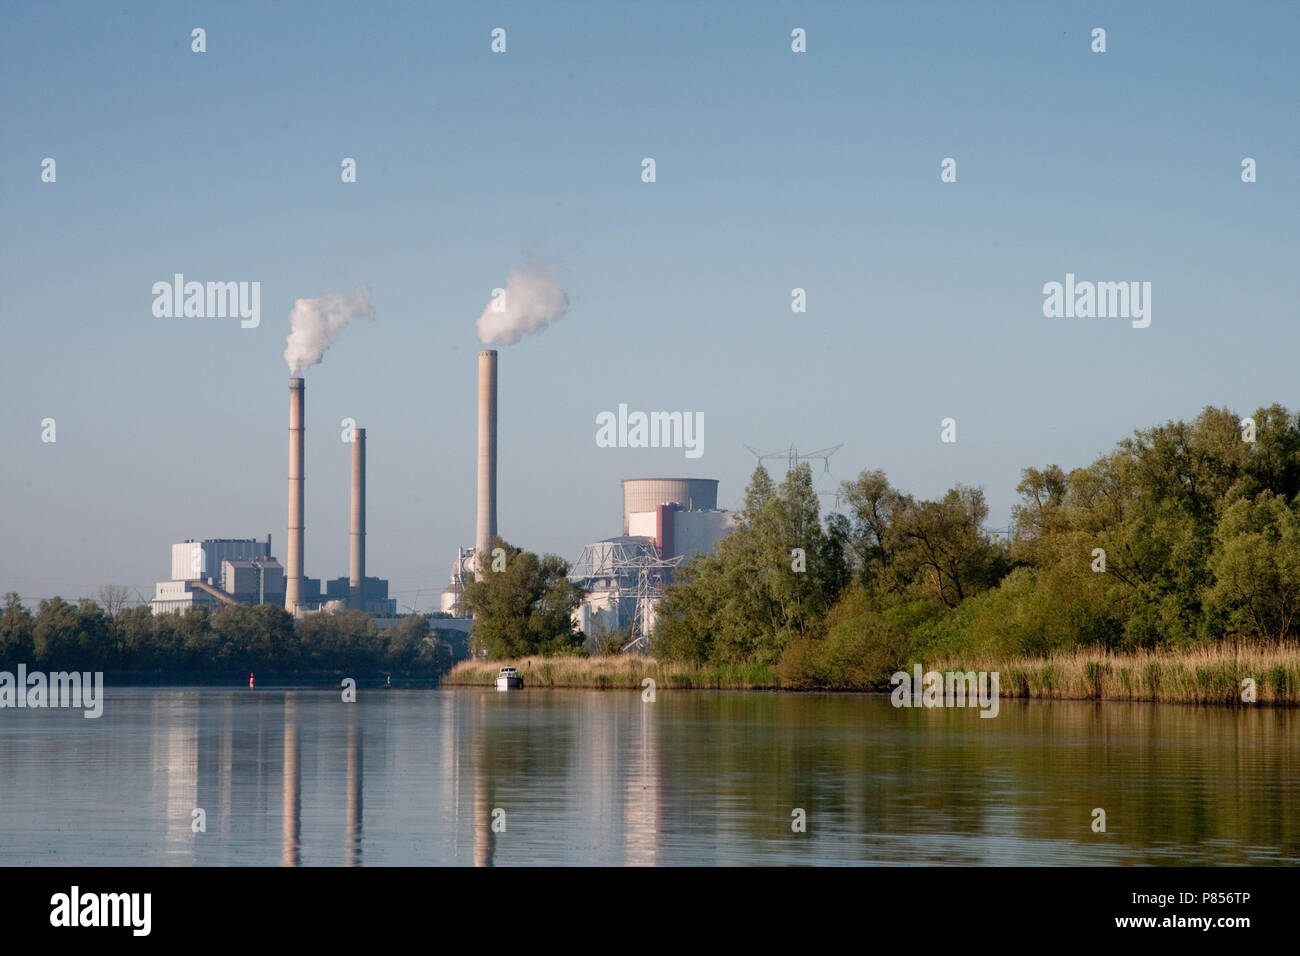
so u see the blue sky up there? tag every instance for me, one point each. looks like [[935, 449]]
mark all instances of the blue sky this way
[[775, 170]]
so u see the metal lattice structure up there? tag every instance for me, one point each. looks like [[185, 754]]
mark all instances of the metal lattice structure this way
[[793, 456], [651, 578], [630, 572]]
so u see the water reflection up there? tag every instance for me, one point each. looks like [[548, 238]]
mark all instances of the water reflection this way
[[352, 825], [641, 793], [291, 801], [414, 777], [175, 745]]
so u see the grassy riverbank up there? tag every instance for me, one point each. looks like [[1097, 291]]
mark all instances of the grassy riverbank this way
[[617, 672], [1207, 675]]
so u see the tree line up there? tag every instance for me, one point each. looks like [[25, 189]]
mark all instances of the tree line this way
[[231, 640], [1185, 534]]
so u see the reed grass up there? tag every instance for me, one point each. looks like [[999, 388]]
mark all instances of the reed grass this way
[[1212, 674], [617, 672]]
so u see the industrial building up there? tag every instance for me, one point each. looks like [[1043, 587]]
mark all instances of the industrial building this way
[[376, 599], [665, 522], [453, 595], [177, 597], [623, 578], [255, 581], [198, 560], [218, 571], [645, 494]]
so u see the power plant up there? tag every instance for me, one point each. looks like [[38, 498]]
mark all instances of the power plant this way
[[664, 521], [477, 560], [293, 572], [645, 494], [219, 571], [486, 527], [357, 534]]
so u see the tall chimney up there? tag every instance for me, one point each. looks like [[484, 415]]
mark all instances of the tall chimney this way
[[357, 554], [293, 560], [487, 460]]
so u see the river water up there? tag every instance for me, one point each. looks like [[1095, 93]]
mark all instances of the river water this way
[[467, 776]]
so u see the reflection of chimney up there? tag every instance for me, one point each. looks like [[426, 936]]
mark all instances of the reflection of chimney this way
[[293, 560], [357, 553], [486, 529], [352, 804], [485, 838], [291, 791]]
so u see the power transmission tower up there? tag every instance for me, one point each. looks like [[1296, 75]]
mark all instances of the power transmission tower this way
[[631, 576], [650, 579], [793, 456]]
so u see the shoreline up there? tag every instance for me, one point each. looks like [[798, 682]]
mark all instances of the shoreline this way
[[121, 679], [1206, 675]]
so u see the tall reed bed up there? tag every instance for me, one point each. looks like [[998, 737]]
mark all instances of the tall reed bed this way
[[616, 672], [1213, 674]]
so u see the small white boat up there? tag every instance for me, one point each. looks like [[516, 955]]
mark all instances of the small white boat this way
[[508, 679]]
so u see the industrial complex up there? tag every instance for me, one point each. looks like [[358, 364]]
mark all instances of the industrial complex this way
[[219, 571], [665, 521]]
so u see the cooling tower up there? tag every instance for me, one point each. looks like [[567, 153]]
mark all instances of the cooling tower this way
[[293, 560], [647, 494], [486, 528], [357, 552]]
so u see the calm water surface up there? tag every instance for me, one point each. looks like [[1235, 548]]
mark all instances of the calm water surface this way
[[296, 777]]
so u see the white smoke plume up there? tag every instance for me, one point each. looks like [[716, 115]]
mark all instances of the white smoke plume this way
[[314, 324], [530, 303]]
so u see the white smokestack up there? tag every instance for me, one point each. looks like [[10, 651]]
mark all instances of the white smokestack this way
[[530, 303], [293, 573], [486, 527], [357, 533], [315, 324]]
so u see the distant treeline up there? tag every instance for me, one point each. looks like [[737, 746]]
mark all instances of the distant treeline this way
[[232, 640], [1186, 535]]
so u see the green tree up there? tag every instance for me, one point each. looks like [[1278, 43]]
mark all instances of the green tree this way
[[137, 631], [96, 639], [874, 506], [411, 647], [527, 608], [17, 632], [942, 549], [56, 639], [769, 582], [1256, 568], [252, 637]]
